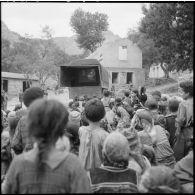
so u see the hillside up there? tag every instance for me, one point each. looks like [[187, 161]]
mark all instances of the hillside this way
[[6, 33], [66, 44]]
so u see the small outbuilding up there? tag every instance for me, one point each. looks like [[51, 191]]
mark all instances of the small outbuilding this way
[[13, 83]]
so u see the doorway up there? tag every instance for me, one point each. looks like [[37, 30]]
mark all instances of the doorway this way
[[129, 77]]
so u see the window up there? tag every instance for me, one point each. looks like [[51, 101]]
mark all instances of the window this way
[[115, 78], [129, 77], [122, 52], [5, 85]]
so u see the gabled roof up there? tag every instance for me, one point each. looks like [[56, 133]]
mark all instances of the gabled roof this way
[[17, 76]]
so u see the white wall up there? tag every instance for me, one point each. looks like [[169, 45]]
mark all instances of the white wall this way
[[156, 72]]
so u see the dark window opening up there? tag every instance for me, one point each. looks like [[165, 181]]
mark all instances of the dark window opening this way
[[129, 77], [26, 85], [5, 85], [115, 77]]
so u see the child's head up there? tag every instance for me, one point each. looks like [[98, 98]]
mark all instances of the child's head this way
[[70, 104], [76, 99], [31, 94], [173, 105], [126, 93], [94, 110], [106, 93], [186, 89], [162, 107], [134, 93], [151, 104], [46, 120], [156, 95]]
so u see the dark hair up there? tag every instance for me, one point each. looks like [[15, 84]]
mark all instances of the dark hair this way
[[76, 98], [106, 93], [126, 93], [94, 110], [17, 107], [32, 94], [143, 98], [76, 104], [70, 104], [162, 107], [173, 105], [151, 104], [187, 87], [46, 121], [135, 91]]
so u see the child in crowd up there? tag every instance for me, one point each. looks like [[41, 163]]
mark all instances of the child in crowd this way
[[114, 176], [122, 116], [106, 99], [173, 105], [46, 169], [142, 95], [127, 98], [92, 136], [162, 148], [152, 105], [184, 120]]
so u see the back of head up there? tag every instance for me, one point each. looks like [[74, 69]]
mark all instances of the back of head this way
[[156, 95], [173, 105], [46, 120], [32, 94], [116, 148], [159, 179], [144, 114], [151, 104], [94, 110], [126, 93]]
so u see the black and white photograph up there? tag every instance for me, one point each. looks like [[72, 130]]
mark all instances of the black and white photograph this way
[[97, 97]]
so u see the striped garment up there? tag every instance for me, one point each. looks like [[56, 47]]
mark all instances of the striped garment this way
[[108, 179]]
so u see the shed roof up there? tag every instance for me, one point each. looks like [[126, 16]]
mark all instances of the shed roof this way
[[17, 76]]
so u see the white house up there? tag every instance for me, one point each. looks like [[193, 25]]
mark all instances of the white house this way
[[123, 60]]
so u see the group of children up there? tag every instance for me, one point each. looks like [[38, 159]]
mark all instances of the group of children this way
[[131, 143]]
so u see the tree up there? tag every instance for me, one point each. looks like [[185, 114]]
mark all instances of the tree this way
[[149, 51], [170, 27], [89, 28]]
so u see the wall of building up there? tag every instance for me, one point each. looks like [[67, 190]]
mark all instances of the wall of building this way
[[138, 77], [156, 72], [15, 85], [108, 54]]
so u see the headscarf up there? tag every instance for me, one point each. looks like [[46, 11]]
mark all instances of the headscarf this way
[[116, 150]]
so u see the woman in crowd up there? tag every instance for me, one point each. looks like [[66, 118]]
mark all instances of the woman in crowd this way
[[46, 169], [159, 179], [114, 176]]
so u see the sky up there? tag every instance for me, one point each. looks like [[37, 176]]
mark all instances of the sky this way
[[29, 18]]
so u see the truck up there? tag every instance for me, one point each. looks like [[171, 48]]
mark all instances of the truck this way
[[84, 77]]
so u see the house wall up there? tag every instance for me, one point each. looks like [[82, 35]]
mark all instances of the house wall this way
[[156, 72], [108, 54], [138, 77], [15, 85]]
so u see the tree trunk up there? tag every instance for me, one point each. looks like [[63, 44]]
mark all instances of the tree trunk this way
[[165, 70]]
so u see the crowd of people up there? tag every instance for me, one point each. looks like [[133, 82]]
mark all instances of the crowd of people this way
[[129, 143]]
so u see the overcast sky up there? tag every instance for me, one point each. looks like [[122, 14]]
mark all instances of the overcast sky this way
[[30, 17]]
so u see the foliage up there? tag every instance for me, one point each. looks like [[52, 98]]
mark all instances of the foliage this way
[[170, 26], [149, 51], [89, 28], [34, 56]]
